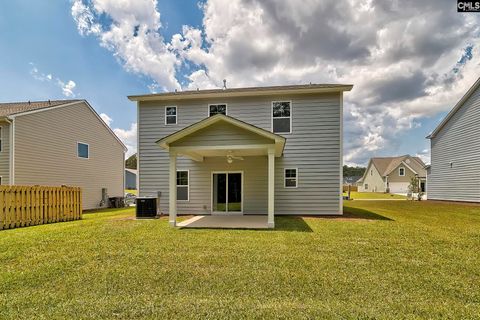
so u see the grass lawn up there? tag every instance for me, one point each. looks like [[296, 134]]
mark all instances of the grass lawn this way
[[373, 195], [133, 191], [383, 259]]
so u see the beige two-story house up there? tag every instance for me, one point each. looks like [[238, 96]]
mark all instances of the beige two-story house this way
[[392, 174], [61, 142]]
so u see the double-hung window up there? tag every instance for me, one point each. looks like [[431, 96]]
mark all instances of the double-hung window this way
[[214, 109], [171, 115], [183, 185], [401, 172], [282, 116], [291, 178]]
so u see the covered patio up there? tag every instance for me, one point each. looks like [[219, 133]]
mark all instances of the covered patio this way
[[227, 222], [223, 136]]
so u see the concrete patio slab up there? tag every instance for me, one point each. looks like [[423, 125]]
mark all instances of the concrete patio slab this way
[[226, 222]]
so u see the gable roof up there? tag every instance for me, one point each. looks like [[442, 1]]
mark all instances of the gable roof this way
[[279, 140], [13, 109], [242, 92], [386, 165], [459, 104]]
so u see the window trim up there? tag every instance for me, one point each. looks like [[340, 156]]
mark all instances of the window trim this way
[[1, 180], [214, 104], [285, 178], [291, 116], [365, 186], [78, 156], [188, 184], [399, 172], [176, 116], [1, 138]]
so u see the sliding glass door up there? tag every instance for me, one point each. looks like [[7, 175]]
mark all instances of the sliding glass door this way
[[227, 192]]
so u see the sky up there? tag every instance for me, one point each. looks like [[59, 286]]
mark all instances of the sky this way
[[409, 61]]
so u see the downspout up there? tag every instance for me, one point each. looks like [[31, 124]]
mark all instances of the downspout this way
[[11, 159]]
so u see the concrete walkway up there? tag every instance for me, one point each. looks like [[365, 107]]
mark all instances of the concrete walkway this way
[[226, 222]]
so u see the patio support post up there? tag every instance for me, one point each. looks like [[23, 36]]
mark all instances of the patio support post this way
[[271, 187], [172, 212]]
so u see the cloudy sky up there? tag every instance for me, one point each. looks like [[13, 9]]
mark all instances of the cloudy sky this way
[[409, 60]]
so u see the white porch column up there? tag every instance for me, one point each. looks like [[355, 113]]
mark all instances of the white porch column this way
[[271, 187], [172, 212]]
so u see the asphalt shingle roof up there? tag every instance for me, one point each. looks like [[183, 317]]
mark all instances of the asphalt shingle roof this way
[[12, 108]]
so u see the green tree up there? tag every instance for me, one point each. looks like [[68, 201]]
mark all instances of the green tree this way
[[131, 162], [414, 188], [353, 171]]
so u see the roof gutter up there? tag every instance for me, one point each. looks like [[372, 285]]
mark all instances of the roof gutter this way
[[235, 93]]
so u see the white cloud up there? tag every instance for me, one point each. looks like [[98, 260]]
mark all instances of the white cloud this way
[[402, 57], [106, 118], [66, 87], [132, 36], [128, 137]]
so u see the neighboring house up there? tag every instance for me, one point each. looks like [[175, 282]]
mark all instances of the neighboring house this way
[[455, 152], [130, 179], [63, 142], [352, 181], [392, 174], [261, 150]]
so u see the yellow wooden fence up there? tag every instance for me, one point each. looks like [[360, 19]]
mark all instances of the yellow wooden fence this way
[[22, 206], [352, 188]]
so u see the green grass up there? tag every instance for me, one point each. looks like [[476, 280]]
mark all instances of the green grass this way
[[133, 191], [383, 259], [374, 195]]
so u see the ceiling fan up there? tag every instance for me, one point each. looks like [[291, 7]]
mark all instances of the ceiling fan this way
[[231, 157]]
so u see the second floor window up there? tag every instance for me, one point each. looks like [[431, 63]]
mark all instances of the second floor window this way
[[170, 115], [282, 117], [401, 172], [214, 109]]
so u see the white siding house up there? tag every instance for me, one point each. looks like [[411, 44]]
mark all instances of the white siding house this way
[[455, 151]]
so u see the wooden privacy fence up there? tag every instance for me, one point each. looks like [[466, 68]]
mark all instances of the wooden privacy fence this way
[[352, 188], [22, 206]]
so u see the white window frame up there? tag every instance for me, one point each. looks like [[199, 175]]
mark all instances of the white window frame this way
[[182, 185], [400, 172], [365, 186], [291, 116], [176, 116], [78, 156], [285, 178], [214, 104]]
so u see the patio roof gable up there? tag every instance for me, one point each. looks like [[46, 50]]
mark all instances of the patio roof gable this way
[[233, 134]]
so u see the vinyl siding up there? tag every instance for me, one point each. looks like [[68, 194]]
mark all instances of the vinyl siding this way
[[313, 147], [5, 153], [395, 177], [457, 142], [46, 152], [375, 181]]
